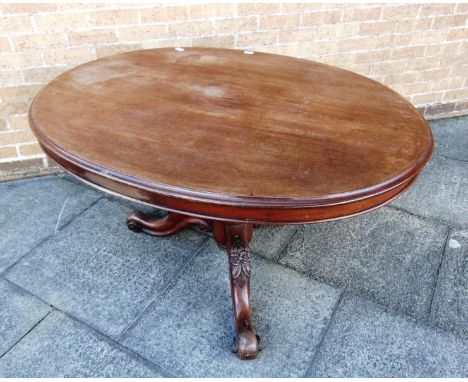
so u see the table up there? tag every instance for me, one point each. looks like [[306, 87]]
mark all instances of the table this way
[[228, 139]]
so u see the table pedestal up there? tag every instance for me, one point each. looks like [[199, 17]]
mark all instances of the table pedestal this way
[[234, 238]]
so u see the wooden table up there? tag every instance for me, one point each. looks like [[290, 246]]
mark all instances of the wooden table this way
[[225, 139]]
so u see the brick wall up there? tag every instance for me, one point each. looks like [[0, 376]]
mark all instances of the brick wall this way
[[419, 50]]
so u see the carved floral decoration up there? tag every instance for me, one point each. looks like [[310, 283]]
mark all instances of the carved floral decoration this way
[[240, 261]]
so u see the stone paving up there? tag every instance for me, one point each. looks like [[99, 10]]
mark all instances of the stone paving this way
[[384, 294]]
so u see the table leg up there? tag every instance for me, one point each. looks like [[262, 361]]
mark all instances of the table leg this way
[[232, 237], [235, 239]]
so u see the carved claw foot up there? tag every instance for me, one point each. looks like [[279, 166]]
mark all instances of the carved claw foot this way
[[247, 345], [235, 238], [140, 222]]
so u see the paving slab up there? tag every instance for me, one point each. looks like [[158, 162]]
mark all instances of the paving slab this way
[[387, 255], [101, 272], [33, 209], [19, 312], [270, 241], [62, 347], [451, 137], [366, 341], [450, 306], [441, 192], [189, 331]]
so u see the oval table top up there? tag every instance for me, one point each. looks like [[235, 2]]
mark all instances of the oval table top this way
[[237, 131]]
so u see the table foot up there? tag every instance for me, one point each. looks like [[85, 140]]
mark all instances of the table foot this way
[[140, 222], [235, 238]]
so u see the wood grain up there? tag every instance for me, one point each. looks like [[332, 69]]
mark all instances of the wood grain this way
[[223, 129]]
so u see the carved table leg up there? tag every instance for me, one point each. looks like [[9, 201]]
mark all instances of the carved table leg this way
[[235, 238], [232, 237], [173, 222]]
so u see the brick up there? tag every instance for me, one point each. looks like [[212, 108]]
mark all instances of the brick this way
[[340, 60], [10, 24], [43, 75], [19, 122], [92, 37], [320, 18], [18, 93], [405, 26], [447, 49], [8, 152], [447, 83], [69, 55], [167, 43], [4, 45], [244, 9], [236, 25], [328, 32], [10, 77], [288, 50], [27, 8], [12, 108], [3, 125], [362, 14], [298, 35], [428, 37], [108, 50], [457, 94], [279, 21], [435, 74], [81, 6], [377, 28], [400, 78], [194, 29], [39, 41], [462, 8], [147, 32], [319, 48], [425, 99], [18, 60], [346, 30], [416, 88], [168, 13], [373, 56], [300, 8], [461, 105], [436, 9], [215, 42], [30, 150], [257, 38], [16, 137], [444, 22], [439, 108], [203, 11], [408, 52], [399, 12], [61, 21], [23, 168], [114, 17], [357, 44], [458, 34], [393, 40]]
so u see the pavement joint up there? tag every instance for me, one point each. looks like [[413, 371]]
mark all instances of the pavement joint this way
[[437, 280], [326, 330], [166, 289], [5, 271], [25, 334]]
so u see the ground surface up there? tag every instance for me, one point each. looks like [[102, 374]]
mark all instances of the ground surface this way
[[384, 294]]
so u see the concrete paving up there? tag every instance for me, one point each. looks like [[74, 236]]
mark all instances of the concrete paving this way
[[382, 294]]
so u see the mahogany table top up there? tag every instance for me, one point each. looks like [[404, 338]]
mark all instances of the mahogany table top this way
[[231, 128]]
